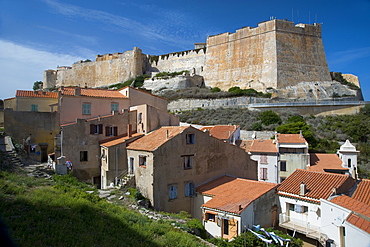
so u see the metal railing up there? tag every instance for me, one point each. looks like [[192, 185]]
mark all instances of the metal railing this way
[[299, 225]]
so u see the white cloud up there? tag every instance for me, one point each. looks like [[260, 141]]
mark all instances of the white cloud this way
[[343, 58], [21, 66]]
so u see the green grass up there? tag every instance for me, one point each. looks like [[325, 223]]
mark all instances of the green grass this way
[[41, 212]]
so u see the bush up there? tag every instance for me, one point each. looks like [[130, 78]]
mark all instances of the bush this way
[[37, 84], [215, 90], [269, 117]]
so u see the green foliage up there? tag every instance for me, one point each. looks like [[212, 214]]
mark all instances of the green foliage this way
[[215, 90], [365, 110], [138, 82], [237, 91], [166, 75], [38, 214], [337, 76], [295, 119], [257, 126], [36, 85], [269, 117], [194, 226], [248, 239]]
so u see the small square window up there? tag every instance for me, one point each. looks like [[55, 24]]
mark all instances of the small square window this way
[[114, 107], [188, 161], [142, 161], [173, 192], [86, 109], [34, 108], [83, 155], [283, 166], [190, 189], [210, 217], [190, 138], [263, 158], [111, 131]]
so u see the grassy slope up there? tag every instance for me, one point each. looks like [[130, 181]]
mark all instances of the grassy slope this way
[[39, 212]]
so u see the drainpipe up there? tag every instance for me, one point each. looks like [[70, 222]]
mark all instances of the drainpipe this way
[[116, 165], [61, 141]]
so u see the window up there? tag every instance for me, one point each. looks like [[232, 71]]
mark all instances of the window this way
[[86, 108], [172, 192], [142, 161], [188, 161], [189, 189], [226, 227], [34, 107], [283, 166], [83, 155], [190, 138], [298, 208], [96, 129], [210, 217], [111, 131], [140, 117], [349, 162], [263, 174], [282, 179], [114, 107], [263, 158]]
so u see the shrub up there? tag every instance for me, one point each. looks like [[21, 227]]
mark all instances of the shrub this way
[[215, 90], [269, 117], [36, 85]]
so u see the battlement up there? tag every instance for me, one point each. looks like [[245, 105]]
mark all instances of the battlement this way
[[275, 25]]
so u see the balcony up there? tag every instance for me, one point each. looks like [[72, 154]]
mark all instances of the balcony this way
[[299, 225]]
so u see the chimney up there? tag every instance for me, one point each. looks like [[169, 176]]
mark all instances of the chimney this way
[[129, 130], [300, 133], [167, 134], [77, 91], [240, 207], [303, 190], [334, 191]]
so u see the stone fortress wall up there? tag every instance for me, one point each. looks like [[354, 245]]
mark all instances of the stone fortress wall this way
[[276, 54], [105, 70]]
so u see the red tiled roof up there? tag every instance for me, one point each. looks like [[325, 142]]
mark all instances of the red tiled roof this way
[[318, 184], [320, 162], [143, 92], [110, 143], [36, 94], [362, 192], [263, 146], [221, 132], [290, 138], [228, 193], [244, 144], [94, 92], [352, 204], [155, 139], [359, 222]]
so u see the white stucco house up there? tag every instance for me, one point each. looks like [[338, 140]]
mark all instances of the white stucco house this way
[[231, 205]]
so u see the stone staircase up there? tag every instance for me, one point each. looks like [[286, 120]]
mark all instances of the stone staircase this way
[[13, 157]]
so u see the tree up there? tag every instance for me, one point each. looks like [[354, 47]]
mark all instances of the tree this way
[[269, 117], [36, 85]]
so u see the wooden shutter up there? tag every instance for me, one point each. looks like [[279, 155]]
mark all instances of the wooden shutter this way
[[100, 129], [107, 131], [92, 128], [115, 131], [233, 228]]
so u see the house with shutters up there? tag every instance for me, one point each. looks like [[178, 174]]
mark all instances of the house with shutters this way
[[230, 205], [170, 162], [36, 101], [300, 197]]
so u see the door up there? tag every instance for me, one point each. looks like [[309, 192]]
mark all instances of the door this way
[[131, 168]]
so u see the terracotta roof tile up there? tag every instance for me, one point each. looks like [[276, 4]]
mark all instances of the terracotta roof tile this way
[[359, 222], [321, 162], [352, 204], [263, 146], [36, 94], [318, 184], [290, 138], [94, 92], [362, 192], [229, 192], [110, 143], [155, 139], [222, 132], [244, 144]]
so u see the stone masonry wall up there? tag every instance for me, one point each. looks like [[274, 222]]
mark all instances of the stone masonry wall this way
[[106, 70], [275, 54]]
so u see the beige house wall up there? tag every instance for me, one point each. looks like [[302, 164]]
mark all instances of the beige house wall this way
[[76, 138], [25, 104], [211, 158], [113, 163], [41, 127], [138, 97], [70, 107], [10, 103]]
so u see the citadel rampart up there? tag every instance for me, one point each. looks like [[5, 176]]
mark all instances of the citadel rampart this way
[[275, 54], [106, 70]]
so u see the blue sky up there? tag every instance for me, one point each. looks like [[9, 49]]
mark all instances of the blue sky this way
[[36, 35]]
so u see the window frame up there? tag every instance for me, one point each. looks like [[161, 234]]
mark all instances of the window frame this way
[[86, 108], [142, 161], [189, 189], [34, 107], [84, 156], [172, 192], [283, 165], [188, 161], [114, 107], [263, 173], [263, 159], [190, 138]]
